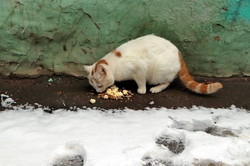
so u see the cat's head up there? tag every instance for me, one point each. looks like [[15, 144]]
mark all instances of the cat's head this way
[[100, 76]]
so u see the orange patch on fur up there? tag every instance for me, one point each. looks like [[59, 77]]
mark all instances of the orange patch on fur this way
[[193, 85], [184, 69], [92, 72], [203, 88], [117, 53], [187, 78], [102, 61]]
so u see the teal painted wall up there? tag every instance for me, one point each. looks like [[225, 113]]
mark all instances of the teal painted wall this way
[[60, 36]]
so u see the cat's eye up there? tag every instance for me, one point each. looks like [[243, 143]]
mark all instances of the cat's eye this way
[[99, 86]]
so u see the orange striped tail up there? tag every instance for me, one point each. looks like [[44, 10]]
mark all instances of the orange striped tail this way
[[201, 88]]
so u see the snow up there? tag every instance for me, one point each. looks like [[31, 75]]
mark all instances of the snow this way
[[6, 101], [71, 153], [29, 136]]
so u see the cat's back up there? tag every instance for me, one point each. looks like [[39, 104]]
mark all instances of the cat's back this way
[[147, 45], [147, 41], [151, 54]]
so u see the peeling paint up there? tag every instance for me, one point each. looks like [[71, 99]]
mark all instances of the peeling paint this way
[[239, 9]]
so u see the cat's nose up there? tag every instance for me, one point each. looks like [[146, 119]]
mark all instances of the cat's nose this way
[[100, 90]]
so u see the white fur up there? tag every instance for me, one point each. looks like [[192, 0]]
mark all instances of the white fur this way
[[148, 59]]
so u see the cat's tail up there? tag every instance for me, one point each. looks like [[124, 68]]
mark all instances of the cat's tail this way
[[201, 88]]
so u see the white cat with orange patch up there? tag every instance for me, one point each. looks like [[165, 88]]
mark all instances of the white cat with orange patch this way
[[148, 59]]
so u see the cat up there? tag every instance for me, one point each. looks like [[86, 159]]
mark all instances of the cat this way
[[148, 59]]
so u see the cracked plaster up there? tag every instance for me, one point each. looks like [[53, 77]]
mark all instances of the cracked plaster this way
[[60, 36]]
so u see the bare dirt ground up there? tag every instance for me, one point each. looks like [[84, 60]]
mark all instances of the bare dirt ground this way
[[67, 92]]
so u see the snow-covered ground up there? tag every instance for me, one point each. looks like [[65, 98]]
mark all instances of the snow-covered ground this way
[[150, 137]]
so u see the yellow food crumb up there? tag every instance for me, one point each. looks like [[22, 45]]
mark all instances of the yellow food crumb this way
[[115, 93], [119, 94], [92, 101], [109, 91], [115, 90], [105, 97], [125, 92], [113, 87]]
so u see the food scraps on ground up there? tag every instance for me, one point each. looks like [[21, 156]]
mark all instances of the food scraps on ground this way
[[115, 93], [92, 101]]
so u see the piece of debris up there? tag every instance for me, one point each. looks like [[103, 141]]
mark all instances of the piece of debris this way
[[115, 93], [50, 80]]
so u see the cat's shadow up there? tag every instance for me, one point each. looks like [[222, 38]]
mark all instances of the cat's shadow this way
[[131, 85], [176, 85]]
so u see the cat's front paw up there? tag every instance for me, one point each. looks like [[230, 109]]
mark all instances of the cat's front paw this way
[[141, 90]]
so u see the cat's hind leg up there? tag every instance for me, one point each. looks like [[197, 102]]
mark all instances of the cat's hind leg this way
[[159, 88]]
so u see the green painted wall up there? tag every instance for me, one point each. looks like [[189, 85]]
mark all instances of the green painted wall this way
[[60, 36]]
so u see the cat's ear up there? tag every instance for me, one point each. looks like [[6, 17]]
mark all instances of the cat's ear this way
[[88, 69], [101, 70]]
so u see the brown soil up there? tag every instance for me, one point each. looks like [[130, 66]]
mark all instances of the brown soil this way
[[67, 92]]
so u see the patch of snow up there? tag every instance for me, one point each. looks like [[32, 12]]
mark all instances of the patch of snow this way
[[72, 153], [6, 101], [29, 136]]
